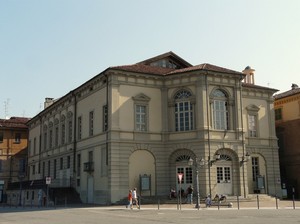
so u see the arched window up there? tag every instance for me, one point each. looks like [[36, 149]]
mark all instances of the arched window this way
[[183, 111], [220, 110]]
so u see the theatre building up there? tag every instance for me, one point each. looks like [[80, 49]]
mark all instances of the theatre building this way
[[141, 125]]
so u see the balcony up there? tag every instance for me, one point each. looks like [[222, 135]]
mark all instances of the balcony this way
[[88, 167]]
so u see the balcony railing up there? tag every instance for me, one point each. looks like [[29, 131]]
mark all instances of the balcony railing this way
[[88, 167]]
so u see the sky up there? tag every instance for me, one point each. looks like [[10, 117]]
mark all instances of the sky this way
[[50, 47]]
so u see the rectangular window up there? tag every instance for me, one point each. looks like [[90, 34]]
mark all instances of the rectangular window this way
[[140, 118], [220, 115], [189, 175], [54, 172], [255, 168], [278, 114], [105, 118], [1, 165], [63, 133], [56, 137], [45, 141], [49, 166], [68, 162], [91, 155], [34, 146], [61, 163], [91, 123], [1, 136], [183, 116], [78, 164], [70, 131], [22, 165], [17, 137], [33, 169], [50, 139], [103, 162], [252, 125], [79, 128], [44, 169]]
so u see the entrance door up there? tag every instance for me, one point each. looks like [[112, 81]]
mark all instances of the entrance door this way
[[90, 187], [224, 182], [187, 178]]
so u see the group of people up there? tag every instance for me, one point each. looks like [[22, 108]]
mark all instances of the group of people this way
[[188, 194], [132, 198]]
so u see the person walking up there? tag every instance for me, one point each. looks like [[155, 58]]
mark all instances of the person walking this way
[[190, 194], [129, 200], [135, 198]]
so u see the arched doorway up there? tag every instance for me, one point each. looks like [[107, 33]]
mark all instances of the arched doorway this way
[[141, 162], [224, 175]]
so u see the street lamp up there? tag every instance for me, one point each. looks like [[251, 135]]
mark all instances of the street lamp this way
[[197, 163], [21, 177], [200, 163], [245, 158]]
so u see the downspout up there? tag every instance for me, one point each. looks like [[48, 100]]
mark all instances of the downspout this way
[[107, 119], [106, 142], [74, 136], [243, 141], [208, 133]]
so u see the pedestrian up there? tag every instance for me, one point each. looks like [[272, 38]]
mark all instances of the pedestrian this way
[[40, 197], [190, 194], [208, 201], [129, 200], [135, 198]]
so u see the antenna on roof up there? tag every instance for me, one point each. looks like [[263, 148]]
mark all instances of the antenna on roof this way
[[6, 104]]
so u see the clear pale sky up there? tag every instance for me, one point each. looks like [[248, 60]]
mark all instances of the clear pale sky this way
[[50, 47]]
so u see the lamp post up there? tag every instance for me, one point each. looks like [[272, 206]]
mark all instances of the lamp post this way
[[196, 165], [245, 159], [21, 176], [200, 163]]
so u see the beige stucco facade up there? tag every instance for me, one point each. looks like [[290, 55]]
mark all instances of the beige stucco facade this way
[[106, 162], [287, 106]]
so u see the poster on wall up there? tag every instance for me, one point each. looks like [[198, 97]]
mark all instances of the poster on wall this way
[[145, 181]]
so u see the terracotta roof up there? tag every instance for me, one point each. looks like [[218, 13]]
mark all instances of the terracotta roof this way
[[208, 67], [169, 54], [258, 87], [14, 122], [287, 93], [147, 69], [141, 68]]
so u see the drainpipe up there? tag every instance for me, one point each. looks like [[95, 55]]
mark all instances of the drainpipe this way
[[243, 141], [74, 136], [208, 132]]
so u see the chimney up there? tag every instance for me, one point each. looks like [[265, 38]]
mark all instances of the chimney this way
[[294, 86], [249, 72], [48, 102]]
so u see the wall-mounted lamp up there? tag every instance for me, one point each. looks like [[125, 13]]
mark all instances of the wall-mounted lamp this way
[[245, 158], [202, 162], [217, 157]]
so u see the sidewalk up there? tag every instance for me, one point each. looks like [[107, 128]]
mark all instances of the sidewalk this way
[[281, 204]]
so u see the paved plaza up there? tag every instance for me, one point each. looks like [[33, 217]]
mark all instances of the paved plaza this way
[[153, 214]]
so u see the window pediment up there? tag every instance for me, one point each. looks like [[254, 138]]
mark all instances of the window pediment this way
[[252, 108], [141, 97]]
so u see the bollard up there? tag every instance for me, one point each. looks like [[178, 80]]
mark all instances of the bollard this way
[[238, 202], [158, 204], [257, 202], [276, 201], [65, 201], [218, 203], [293, 201]]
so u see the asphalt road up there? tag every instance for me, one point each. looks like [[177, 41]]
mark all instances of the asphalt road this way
[[120, 215]]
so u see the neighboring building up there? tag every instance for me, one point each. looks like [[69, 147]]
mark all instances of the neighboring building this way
[[287, 115], [13, 152], [139, 125]]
